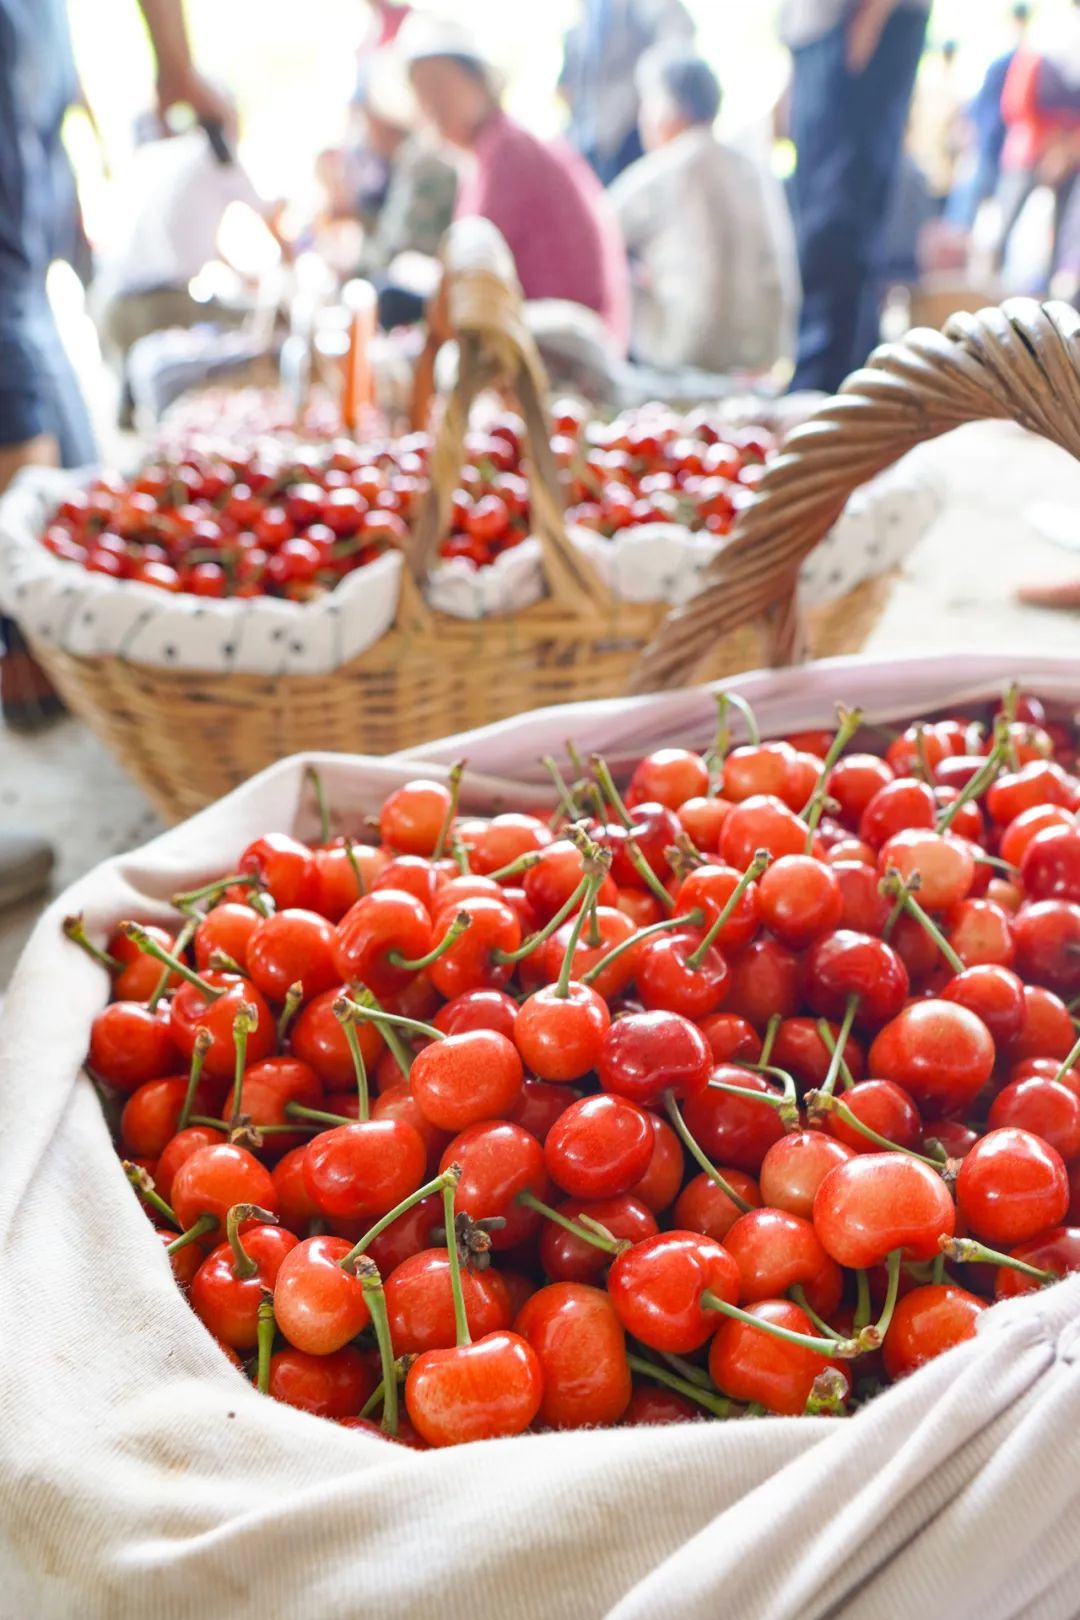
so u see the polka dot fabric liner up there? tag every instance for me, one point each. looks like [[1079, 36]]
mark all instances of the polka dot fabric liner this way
[[92, 615]]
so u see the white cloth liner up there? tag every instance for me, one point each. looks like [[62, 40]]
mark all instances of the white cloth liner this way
[[92, 614], [140, 1475]]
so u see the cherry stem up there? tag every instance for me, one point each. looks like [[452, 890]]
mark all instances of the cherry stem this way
[[845, 1349], [814, 808], [294, 1000], [714, 759], [984, 777], [374, 1399], [75, 929], [594, 1233], [222, 962], [394, 1043], [180, 945], [968, 1252], [243, 1264], [786, 1105], [937, 1270], [686, 1369], [315, 781], [698, 1155], [461, 1320], [260, 902], [522, 863], [647, 875], [567, 804], [143, 1183], [245, 1023], [198, 1229], [753, 871], [265, 1328], [594, 938], [210, 891], [417, 964], [602, 772], [371, 1283], [828, 1085], [453, 782], [827, 1395], [588, 908], [772, 1029], [862, 1300], [297, 1110], [823, 1102], [892, 886], [798, 1294], [448, 1178], [534, 941], [350, 856], [1069, 1062], [203, 1043], [870, 1338], [718, 1405], [828, 1041], [753, 730], [345, 1008], [690, 919], [460, 856], [150, 947]]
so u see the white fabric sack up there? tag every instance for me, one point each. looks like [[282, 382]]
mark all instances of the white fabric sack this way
[[141, 1475]]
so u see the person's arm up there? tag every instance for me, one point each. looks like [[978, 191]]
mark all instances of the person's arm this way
[[638, 202], [865, 29], [177, 77]]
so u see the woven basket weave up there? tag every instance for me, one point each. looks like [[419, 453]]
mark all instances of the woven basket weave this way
[[187, 737]]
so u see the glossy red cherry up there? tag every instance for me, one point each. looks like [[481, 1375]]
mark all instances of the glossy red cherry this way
[[480, 1391], [566, 1257], [927, 1322], [734, 1130], [215, 1178], [561, 1038], [420, 1303], [129, 1045], [498, 1161], [775, 1250], [766, 978], [751, 1365], [883, 1107], [1047, 938], [938, 1051], [228, 928], [478, 1009], [1050, 867], [1045, 1107], [292, 947], [224, 1299], [466, 1078], [799, 898], [646, 1054], [877, 1202], [318, 1038], [383, 924], [656, 1289], [669, 776], [1047, 1030], [363, 1170], [319, 1305], [761, 822], [853, 782], [334, 1386], [581, 1347], [285, 868], [150, 1115], [190, 1010], [473, 963], [599, 1147], [846, 964], [1057, 1250], [703, 1206], [994, 994], [1011, 1186], [800, 1050], [794, 1168], [708, 889], [659, 1186], [413, 815]]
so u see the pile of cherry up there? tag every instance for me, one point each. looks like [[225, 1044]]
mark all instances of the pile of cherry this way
[[746, 1090], [273, 519]]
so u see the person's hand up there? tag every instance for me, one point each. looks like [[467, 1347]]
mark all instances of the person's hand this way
[[865, 30], [209, 103]]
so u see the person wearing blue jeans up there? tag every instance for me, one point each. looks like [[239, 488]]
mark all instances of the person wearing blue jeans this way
[[854, 66], [43, 418]]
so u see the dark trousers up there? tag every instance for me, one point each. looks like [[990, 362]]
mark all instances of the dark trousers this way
[[848, 130]]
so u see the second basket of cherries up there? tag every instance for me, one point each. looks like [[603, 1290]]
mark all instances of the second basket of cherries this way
[[746, 1089]]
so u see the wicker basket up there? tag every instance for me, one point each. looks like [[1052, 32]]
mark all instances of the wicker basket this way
[[187, 737]]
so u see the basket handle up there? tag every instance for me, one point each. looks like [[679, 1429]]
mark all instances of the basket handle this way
[[1019, 362], [480, 303]]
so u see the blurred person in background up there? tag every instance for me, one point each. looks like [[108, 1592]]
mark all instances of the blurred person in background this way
[[42, 415], [601, 54], [853, 70], [1040, 104], [935, 128], [541, 195], [173, 198], [981, 172], [714, 277]]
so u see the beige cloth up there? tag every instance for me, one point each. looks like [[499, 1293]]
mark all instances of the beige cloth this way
[[142, 1477]]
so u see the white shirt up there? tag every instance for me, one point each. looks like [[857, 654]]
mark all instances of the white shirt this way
[[715, 277], [168, 212]]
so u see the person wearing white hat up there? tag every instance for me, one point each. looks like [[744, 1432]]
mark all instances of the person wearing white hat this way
[[541, 195]]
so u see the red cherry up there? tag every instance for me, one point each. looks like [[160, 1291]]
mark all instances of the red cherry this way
[[1044, 1107], [333, 1386], [646, 1054], [190, 1010], [1057, 1250], [799, 899], [877, 1202], [895, 807], [883, 1107], [285, 868], [708, 889], [794, 1168], [751, 1365], [734, 1130], [853, 782], [581, 1347], [228, 928], [478, 1009], [129, 1045], [926, 1323], [319, 1305], [498, 1161], [703, 1206], [669, 776], [994, 994], [1048, 944], [363, 1170], [669, 977], [659, 1186], [479, 1391], [562, 1037], [227, 1303], [847, 964], [318, 1038], [420, 1303], [1047, 1030], [566, 1257], [761, 822], [215, 1178], [775, 1250], [291, 947], [466, 1078], [1050, 868], [656, 1289], [938, 1051], [413, 816], [599, 1147], [1011, 1186], [383, 923]]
